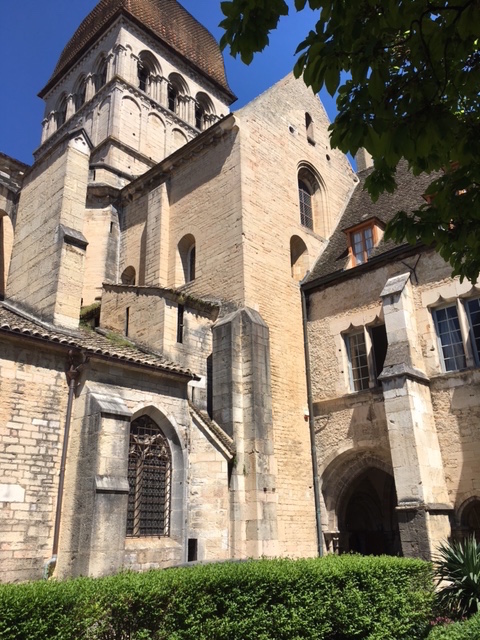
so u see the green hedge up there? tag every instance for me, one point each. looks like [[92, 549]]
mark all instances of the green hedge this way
[[334, 598], [468, 630]]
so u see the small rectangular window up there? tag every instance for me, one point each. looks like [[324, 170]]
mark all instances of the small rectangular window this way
[[449, 337], [192, 550], [180, 315], [127, 321]]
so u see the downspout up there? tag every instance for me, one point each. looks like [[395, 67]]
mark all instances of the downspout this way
[[72, 374], [311, 423]]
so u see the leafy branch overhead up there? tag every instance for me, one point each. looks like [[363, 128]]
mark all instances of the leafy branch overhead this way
[[407, 78]]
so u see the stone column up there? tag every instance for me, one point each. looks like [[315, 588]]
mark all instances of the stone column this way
[[90, 88], [423, 503], [70, 106], [242, 406]]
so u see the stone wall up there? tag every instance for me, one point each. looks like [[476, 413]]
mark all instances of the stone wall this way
[[442, 444], [33, 398]]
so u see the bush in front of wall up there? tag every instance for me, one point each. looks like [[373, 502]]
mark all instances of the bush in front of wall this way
[[457, 569], [467, 630], [332, 598]]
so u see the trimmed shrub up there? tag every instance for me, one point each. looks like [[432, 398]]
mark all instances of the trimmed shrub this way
[[334, 598], [468, 630]]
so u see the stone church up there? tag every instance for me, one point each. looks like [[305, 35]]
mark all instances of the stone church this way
[[207, 351]]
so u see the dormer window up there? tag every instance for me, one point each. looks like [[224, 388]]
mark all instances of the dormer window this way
[[362, 238]]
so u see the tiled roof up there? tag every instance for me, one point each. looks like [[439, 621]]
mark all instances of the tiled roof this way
[[408, 196], [90, 342], [165, 19], [214, 428]]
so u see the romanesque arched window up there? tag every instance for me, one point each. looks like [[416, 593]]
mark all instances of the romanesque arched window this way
[[470, 519], [312, 201], [188, 256], [176, 94], [61, 112], [80, 93], [204, 111], [147, 69], [309, 126], [149, 478], [101, 73]]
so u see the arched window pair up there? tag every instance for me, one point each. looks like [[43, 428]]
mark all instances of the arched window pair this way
[[149, 479]]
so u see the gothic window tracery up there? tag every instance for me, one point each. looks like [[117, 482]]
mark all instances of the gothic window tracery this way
[[149, 478]]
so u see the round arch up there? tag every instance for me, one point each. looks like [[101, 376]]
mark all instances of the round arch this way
[[177, 92], [469, 518], [298, 258], [101, 69], [204, 111], [313, 202], [187, 258], [128, 276], [61, 111], [80, 92], [148, 68]]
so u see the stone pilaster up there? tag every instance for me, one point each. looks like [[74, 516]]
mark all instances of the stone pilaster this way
[[423, 504], [242, 406]]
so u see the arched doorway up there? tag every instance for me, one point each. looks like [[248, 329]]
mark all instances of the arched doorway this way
[[368, 521]]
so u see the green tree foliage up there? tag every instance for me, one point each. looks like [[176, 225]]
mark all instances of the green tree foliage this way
[[407, 73]]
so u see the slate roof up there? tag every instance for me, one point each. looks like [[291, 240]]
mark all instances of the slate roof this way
[[167, 20], [90, 342], [408, 196]]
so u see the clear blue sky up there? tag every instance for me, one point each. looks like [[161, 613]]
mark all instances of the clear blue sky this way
[[34, 32]]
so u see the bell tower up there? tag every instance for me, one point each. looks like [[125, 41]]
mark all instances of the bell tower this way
[[138, 80], [142, 78]]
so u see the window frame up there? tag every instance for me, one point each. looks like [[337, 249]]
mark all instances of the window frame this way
[[471, 353], [369, 225], [372, 379], [139, 496]]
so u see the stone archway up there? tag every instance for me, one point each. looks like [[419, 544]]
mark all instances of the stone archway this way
[[367, 517]]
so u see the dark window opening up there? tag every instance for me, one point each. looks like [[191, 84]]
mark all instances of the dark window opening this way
[[380, 346], [191, 264], [142, 77], [127, 320], [210, 385], [199, 116], [310, 129], [149, 478], [180, 326], [192, 550], [172, 98]]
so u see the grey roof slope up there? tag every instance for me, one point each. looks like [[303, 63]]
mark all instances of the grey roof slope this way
[[408, 196], [92, 343]]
